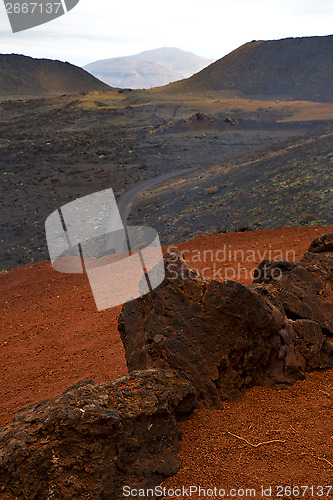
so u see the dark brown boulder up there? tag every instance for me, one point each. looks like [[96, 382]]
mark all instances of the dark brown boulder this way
[[307, 294], [269, 270], [96, 438], [309, 340], [304, 289], [221, 336], [323, 243]]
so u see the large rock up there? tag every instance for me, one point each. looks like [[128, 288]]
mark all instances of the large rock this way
[[323, 243], [312, 345], [96, 438], [304, 289], [222, 336]]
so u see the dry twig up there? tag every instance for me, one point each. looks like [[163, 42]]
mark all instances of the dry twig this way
[[325, 460], [258, 444], [324, 392]]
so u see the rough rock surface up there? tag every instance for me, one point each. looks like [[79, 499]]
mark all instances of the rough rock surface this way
[[305, 288], [95, 438], [222, 336], [312, 345], [323, 243]]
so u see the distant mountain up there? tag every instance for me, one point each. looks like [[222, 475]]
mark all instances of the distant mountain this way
[[22, 76], [151, 68], [292, 68]]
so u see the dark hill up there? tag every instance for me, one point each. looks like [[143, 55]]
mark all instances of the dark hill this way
[[292, 68], [22, 76]]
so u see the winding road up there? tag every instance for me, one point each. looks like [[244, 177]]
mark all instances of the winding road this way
[[115, 240], [127, 200]]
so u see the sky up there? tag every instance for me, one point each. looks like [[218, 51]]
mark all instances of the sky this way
[[101, 29]]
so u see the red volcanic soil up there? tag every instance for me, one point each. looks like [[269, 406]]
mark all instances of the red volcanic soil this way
[[51, 335]]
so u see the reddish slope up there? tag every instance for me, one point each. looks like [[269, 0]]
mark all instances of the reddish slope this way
[[51, 334]]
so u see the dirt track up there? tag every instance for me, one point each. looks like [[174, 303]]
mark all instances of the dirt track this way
[[128, 198]]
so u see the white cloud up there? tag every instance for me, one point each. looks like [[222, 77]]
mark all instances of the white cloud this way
[[103, 28]]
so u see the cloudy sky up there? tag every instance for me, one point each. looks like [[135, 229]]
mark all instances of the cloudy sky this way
[[211, 28]]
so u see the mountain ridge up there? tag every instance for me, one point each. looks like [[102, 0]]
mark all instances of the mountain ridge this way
[[149, 68], [287, 69]]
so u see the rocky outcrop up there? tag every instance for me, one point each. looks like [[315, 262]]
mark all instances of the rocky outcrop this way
[[225, 337], [302, 290], [190, 342], [322, 244], [96, 438], [310, 342]]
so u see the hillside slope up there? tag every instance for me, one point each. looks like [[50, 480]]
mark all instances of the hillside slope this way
[[288, 184], [22, 76], [292, 68], [147, 69]]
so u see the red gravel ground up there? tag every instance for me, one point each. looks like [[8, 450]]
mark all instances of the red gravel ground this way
[[289, 443], [51, 335]]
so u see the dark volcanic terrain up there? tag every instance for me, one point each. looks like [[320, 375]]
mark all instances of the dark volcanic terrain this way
[[56, 149], [289, 184], [293, 68]]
